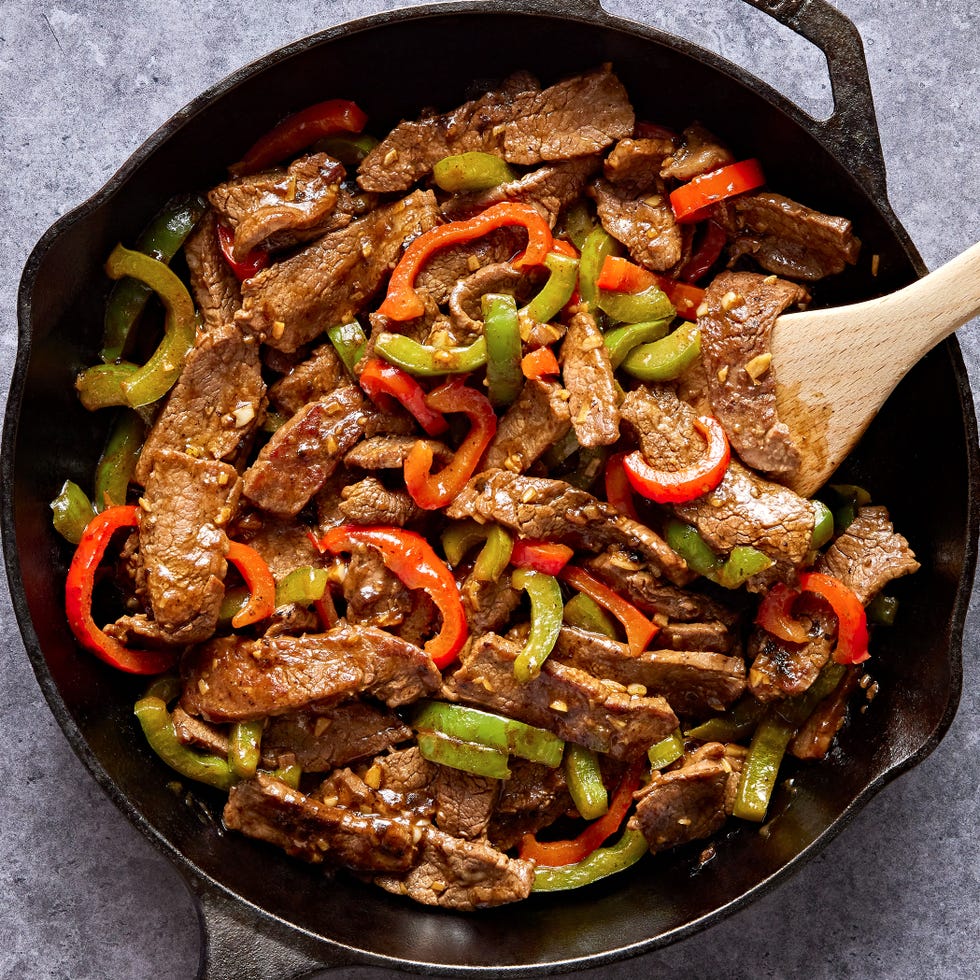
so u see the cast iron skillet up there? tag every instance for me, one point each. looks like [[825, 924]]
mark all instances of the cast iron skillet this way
[[264, 915]]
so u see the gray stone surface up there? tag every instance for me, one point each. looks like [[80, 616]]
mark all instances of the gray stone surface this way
[[82, 83]]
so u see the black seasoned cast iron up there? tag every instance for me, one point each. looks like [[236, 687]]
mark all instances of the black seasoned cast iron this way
[[266, 916]]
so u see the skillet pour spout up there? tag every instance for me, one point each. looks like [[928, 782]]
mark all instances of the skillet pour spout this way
[[258, 919]]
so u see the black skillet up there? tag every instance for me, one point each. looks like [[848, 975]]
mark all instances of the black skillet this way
[[265, 916]]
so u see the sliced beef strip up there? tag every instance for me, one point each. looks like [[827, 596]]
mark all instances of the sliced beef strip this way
[[633, 578], [550, 189], [236, 679], [216, 404], [599, 714], [814, 739], [781, 669], [683, 805], [283, 543], [291, 619], [535, 507], [575, 118], [375, 596], [640, 216], [390, 452], [369, 501], [282, 207], [215, 288], [745, 509], [709, 637], [869, 554], [461, 874], [588, 374], [461, 804], [291, 302], [736, 332], [192, 731], [787, 238], [692, 682], [187, 505], [663, 426], [699, 153], [302, 453], [309, 381], [537, 420], [268, 810], [534, 796], [323, 741], [488, 605], [465, 312], [636, 161], [422, 620], [440, 275]]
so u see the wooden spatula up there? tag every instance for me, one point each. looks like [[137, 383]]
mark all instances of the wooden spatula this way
[[835, 368]]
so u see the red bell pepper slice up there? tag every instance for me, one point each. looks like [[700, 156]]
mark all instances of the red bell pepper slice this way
[[379, 378], [78, 597], [547, 557], [326, 611], [245, 268], [775, 614], [434, 490], [690, 200], [540, 363], [299, 130], [412, 559], [706, 255], [403, 303], [653, 131], [852, 621], [689, 482], [259, 581], [619, 275], [639, 630], [619, 492], [555, 854]]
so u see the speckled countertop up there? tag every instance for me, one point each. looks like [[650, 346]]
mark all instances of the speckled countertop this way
[[82, 84]]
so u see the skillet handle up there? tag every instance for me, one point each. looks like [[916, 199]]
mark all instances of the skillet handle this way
[[239, 943], [852, 130]]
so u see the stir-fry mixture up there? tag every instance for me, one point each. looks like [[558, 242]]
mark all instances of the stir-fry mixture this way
[[454, 505]]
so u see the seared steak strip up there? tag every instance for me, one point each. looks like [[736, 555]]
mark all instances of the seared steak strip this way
[[236, 679], [216, 291], [736, 330], [599, 714], [293, 301], [588, 375], [309, 381], [537, 420], [552, 510]]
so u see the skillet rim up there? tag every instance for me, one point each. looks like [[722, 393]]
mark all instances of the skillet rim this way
[[582, 11]]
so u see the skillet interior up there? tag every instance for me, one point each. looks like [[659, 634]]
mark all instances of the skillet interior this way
[[925, 428]]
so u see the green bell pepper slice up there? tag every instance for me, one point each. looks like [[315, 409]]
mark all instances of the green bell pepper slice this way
[[685, 540], [235, 600], [882, 610], [621, 341], [846, 498], [132, 385], [350, 343], [71, 512], [823, 525], [591, 462], [494, 731], [546, 614], [579, 222], [502, 339], [161, 239], [666, 751], [474, 171], [350, 149], [737, 723], [289, 775], [665, 359], [760, 768], [556, 292], [480, 760], [430, 362], [458, 539], [648, 304], [585, 783], [244, 748], [601, 863], [158, 728], [585, 613], [741, 564], [304, 585], [118, 461], [597, 245]]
